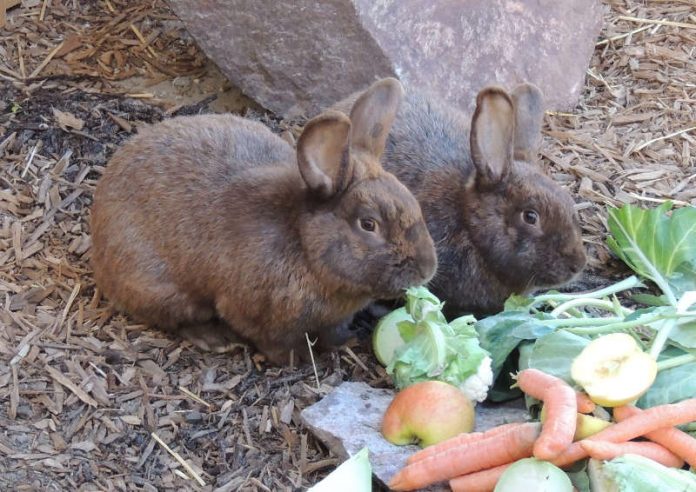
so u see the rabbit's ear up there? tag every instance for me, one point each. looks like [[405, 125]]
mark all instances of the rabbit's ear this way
[[373, 114], [492, 130], [529, 116], [322, 153]]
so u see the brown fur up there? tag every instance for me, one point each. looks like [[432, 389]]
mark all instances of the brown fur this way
[[206, 225], [473, 179]]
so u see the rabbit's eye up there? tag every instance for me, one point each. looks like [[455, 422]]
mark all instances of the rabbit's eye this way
[[368, 225], [531, 217]]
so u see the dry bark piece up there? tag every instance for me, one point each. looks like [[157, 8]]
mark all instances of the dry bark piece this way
[[67, 120]]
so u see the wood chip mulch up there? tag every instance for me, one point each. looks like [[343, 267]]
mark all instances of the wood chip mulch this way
[[91, 401]]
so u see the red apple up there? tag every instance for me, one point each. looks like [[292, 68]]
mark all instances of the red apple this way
[[427, 413]]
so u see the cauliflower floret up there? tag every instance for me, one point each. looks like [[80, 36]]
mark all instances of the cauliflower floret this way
[[476, 386]]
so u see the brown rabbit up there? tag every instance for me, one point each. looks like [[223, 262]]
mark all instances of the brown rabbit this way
[[501, 226], [211, 226]]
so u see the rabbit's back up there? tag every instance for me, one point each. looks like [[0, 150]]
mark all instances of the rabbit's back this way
[[189, 163], [428, 150], [427, 135], [187, 154], [176, 198]]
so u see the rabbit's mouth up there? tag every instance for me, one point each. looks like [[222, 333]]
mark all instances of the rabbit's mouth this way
[[415, 274], [391, 295], [555, 279], [395, 290]]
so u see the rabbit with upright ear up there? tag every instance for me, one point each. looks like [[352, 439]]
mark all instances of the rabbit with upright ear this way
[[211, 226], [501, 226]]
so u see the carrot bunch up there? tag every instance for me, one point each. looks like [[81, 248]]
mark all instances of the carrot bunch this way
[[474, 462], [655, 423], [488, 450]]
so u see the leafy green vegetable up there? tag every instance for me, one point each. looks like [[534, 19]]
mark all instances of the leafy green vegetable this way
[[633, 473], [657, 246], [517, 302], [525, 350], [554, 352], [670, 386], [391, 333], [649, 299], [500, 334], [353, 475], [684, 334], [437, 350]]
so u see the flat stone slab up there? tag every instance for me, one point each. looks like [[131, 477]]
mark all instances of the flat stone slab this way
[[349, 418], [297, 57]]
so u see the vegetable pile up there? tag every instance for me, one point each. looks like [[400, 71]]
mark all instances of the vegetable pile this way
[[609, 373], [479, 461]]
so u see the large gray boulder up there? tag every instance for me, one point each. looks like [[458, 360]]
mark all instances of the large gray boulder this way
[[296, 57]]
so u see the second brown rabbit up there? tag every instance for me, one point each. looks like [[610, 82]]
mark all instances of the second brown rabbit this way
[[500, 225], [212, 226]]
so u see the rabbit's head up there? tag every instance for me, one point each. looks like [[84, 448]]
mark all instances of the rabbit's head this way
[[521, 221], [362, 231]]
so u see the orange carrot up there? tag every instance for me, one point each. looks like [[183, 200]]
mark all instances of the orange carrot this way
[[585, 405], [561, 411], [603, 450], [481, 481], [561, 420], [535, 382], [638, 425], [458, 440], [505, 447], [680, 443]]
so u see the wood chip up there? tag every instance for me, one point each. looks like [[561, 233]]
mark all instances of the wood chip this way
[[76, 390], [178, 458], [67, 120]]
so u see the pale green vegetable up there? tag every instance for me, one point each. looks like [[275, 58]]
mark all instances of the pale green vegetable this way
[[657, 243], [387, 338], [633, 473], [353, 475], [660, 244], [416, 343], [599, 480], [531, 474]]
